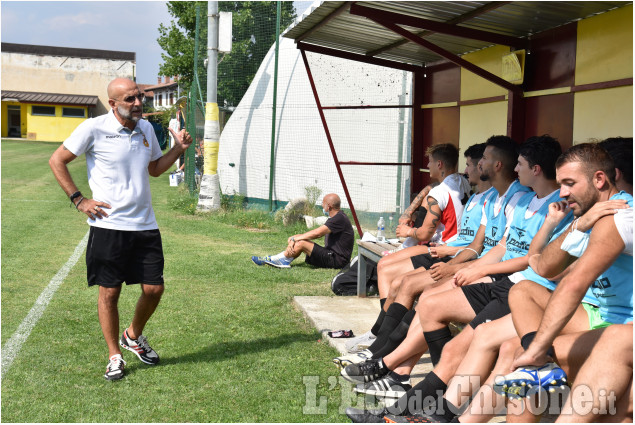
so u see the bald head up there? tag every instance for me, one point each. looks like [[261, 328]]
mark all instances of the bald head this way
[[119, 86], [333, 200]]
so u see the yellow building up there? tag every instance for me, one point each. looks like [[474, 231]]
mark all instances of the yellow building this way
[[47, 91], [44, 116]]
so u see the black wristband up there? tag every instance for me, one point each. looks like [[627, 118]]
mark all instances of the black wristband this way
[[75, 195]]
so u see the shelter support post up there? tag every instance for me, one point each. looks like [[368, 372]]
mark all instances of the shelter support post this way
[[516, 116], [330, 140]]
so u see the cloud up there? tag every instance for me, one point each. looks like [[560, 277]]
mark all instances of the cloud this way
[[69, 21]]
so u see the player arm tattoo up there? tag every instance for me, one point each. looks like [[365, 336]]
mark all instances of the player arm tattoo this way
[[437, 216], [416, 203]]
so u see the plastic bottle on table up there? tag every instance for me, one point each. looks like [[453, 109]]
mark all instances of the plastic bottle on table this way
[[381, 235]]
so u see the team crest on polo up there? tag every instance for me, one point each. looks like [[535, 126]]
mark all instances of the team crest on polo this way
[[494, 230], [145, 143]]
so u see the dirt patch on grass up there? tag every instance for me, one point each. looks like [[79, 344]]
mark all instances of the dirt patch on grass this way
[[254, 230]]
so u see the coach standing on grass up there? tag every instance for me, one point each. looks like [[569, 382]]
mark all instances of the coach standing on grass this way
[[124, 243]]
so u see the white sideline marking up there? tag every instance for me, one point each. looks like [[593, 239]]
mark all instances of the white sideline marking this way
[[12, 346]]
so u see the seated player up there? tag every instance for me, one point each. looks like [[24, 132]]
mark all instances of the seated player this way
[[338, 241], [535, 168], [468, 234], [444, 205], [543, 315]]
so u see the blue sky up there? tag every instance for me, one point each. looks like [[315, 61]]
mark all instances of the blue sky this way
[[129, 26]]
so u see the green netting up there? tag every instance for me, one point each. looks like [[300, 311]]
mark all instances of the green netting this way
[[184, 42]]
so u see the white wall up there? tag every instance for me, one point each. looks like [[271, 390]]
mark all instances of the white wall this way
[[303, 156]]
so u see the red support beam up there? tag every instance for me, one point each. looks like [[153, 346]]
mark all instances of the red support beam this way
[[438, 27], [516, 116], [418, 180], [357, 57], [448, 55], [369, 107], [466, 16], [330, 140]]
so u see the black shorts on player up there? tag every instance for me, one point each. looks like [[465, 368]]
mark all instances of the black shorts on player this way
[[488, 300], [426, 260], [116, 256], [325, 258]]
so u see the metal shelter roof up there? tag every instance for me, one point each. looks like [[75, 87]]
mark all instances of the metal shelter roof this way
[[50, 98], [458, 27]]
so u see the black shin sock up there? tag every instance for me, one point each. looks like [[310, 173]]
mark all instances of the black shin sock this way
[[396, 337], [375, 329], [413, 400], [527, 339], [393, 316], [436, 341]]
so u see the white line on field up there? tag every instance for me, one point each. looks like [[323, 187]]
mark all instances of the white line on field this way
[[12, 346]]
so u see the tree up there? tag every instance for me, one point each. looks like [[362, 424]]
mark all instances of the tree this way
[[253, 30]]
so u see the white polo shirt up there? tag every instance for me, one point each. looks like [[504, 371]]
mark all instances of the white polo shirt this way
[[117, 162]]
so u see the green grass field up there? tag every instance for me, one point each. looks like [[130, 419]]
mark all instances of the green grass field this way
[[233, 347]]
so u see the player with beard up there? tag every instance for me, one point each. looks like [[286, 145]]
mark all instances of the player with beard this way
[[124, 242]]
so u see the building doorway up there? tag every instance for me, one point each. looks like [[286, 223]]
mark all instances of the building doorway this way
[[14, 119]]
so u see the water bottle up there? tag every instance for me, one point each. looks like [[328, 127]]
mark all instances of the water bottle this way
[[381, 235]]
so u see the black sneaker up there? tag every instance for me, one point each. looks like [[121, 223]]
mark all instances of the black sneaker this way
[[387, 386], [114, 370], [140, 347], [361, 416], [366, 371], [416, 418]]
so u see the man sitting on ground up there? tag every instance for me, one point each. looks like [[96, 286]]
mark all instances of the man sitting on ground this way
[[338, 241]]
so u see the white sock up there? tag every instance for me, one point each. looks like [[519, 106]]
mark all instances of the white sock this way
[[281, 256], [278, 256]]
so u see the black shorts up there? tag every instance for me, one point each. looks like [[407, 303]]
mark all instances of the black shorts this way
[[427, 260], [489, 300], [116, 256], [324, 258]]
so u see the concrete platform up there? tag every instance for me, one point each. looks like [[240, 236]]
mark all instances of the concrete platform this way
[[358, 314]]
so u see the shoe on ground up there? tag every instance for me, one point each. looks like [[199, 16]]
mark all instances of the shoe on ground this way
[[281, 263], [416, 418], [363, 372], [526, 381], [260, 261], [344, 361], [140, 347], [361, 416], [386, 387], [115, 367], [360, 343]]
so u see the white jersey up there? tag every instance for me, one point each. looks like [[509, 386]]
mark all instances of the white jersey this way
[[117, 162], [624, 223], [509, 207], [451, 195]]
